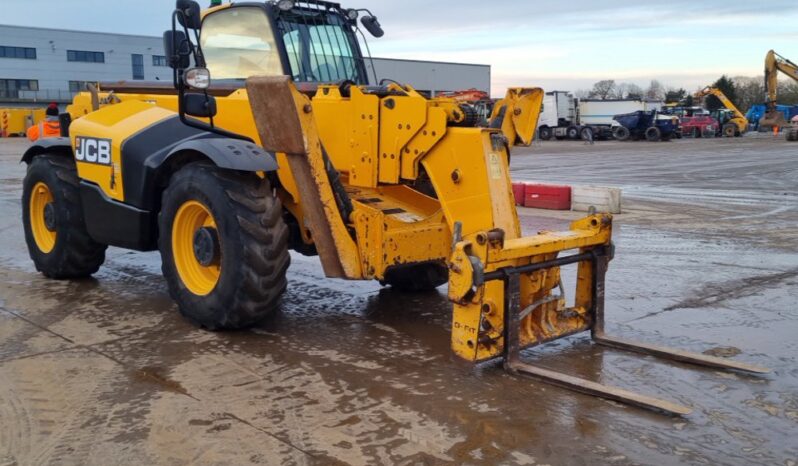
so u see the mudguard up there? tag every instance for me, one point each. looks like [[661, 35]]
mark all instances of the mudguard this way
[[233, 154], [58, 145], [150, 155]]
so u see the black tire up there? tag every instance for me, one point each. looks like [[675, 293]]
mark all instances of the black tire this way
[[729, 131], [653, 134], [621, 133], [416, 277], [75, 254], [545, 133], [252, 246], [572, 132]]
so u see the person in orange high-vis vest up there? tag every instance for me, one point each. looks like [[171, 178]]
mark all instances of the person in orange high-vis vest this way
[[50, 127]]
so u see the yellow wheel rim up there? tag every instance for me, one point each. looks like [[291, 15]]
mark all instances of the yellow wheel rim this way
[[40, 197], [190, 217]]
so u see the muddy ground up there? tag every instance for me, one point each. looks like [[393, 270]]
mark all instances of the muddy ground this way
[[105, 371]]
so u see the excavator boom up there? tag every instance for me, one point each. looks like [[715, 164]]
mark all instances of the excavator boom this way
[[775, 63]]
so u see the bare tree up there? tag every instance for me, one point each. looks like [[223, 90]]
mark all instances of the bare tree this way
[[655, 91], [603, 90], [629, 91], [750, 91]]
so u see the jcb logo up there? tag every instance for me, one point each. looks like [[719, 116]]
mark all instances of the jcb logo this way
[[93, 150]]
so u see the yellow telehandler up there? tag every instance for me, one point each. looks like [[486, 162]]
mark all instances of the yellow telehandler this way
[[736, 124], [291, 147]]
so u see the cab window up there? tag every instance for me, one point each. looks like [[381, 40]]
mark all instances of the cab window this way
[[319, 47], [238, 43]]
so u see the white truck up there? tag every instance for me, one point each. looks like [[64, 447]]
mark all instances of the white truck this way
[[566, 117]]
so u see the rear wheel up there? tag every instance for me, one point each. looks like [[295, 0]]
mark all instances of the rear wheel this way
[[729, 131], [52, 215], [416, 277], [572, 132], [224, 246], [621, 133], [653, 134]]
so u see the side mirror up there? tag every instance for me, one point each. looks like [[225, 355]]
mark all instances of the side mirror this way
[[199, 105], [372, 26], [197, 78], [177, 49], [190, 17]]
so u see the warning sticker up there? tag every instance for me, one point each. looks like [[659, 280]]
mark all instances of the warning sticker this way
[[495, 166]]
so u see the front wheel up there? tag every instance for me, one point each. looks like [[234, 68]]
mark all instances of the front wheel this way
[[545, 133], [653, 134], [52, 215], [729, 131], [224, 246]]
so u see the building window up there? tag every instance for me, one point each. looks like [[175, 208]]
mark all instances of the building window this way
[[79, 86], [26, 53], [159, 60], [84, 56], [10, 88], [138, 65]]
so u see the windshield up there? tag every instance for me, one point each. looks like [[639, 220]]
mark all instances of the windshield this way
[[238, 43], [320, 46]]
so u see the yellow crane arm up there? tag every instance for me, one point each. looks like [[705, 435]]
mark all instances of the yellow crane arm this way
[[773, 64], [723, 99]]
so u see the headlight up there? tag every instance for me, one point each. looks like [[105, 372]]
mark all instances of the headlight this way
[[198, 78], [285, 5], [352, 14]]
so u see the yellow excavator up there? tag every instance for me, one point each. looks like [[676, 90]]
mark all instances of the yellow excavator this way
[[291, 147], [736, 124], [775, 63]]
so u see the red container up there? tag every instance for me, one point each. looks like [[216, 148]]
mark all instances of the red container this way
[[519, 190], [547, 196]]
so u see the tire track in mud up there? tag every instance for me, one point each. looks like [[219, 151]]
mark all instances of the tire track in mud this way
[[714, 294]]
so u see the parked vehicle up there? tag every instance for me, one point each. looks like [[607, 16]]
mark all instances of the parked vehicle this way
[[566, 117], [699, 126], [598, 114], [646, 124], [681, 111]]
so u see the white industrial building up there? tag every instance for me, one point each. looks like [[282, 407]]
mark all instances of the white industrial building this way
[[39, 65]]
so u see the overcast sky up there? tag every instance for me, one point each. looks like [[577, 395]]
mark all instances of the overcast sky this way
[[554, 44]]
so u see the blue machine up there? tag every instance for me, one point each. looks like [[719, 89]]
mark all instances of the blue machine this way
[[757, 111], [645, 124]]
